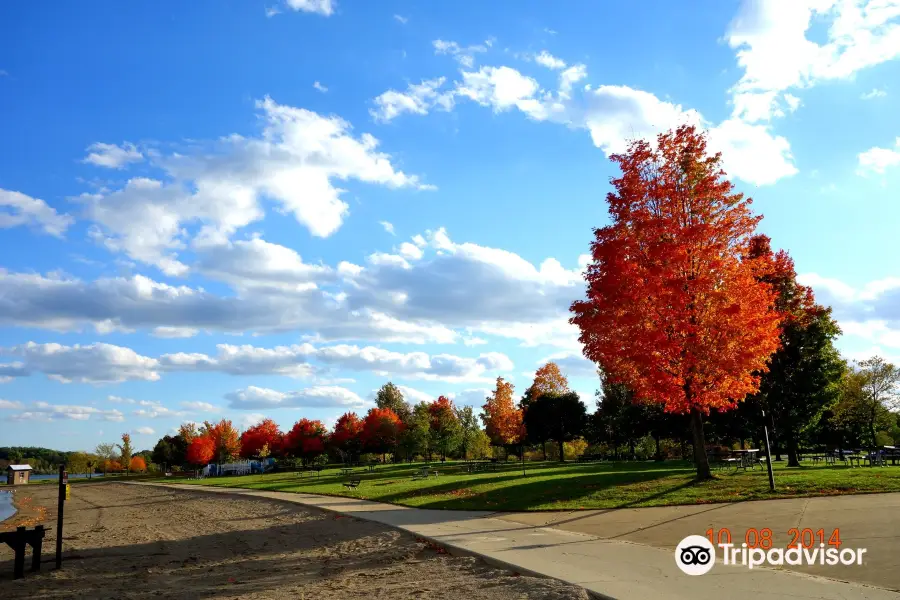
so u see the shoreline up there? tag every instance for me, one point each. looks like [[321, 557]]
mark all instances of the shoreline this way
[[28, 513]]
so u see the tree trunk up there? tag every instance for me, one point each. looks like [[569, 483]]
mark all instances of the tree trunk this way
[[793, 458], [872, 428], [631, 448], [658, 450], [562, 455], [544, 448], [776, 439], [700, 458]]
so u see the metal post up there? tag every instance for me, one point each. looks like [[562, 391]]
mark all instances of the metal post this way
[[768, 454], [60, 504]]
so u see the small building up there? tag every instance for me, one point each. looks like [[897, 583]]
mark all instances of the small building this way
[[18, 474]]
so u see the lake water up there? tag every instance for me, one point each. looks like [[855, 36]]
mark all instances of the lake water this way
[[55, 476], [6, 506]]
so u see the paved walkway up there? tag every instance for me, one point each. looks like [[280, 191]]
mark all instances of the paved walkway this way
[[869, 521], [607, 564]]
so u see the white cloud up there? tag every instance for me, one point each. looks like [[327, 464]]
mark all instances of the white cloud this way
[[10, 404], [154, 410], [143, 431], [314, 397], [319, 87], [773, 48], [120, 400], [271, 11], [412, 395], [322, 7], [615, 114], [418, 99], [216, 189], [94, 363], [464, 56], [874, 93], [793, 102], [199, 406], [174, 332], [545, 59], [9, 371], [410, 251], [112, 156], [295, 361], [43, 411], [401, 19], [18, 209], [250, 420], [474, 397], [389, 227], [879, 160]]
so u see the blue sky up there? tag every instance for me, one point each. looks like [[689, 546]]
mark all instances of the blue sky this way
[[242, 209]]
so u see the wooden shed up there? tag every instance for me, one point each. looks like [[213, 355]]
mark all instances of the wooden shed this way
[[18, 474]]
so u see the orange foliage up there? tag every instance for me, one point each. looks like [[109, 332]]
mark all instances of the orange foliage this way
[[674, 308], [502, 420], [225, 438], [381, 429], [138, 464], [201, 450], [188, 431], [264, 434], [112, 465], [548, 380]]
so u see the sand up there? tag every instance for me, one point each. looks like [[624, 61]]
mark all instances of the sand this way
[[126, 541]]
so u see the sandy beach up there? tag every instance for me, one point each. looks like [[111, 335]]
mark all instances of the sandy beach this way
[[126, 541]]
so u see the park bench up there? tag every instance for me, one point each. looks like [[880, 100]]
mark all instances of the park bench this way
[[422, 473], [353, 483], [19, 540]]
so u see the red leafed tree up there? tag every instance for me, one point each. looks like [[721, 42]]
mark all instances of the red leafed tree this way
[[674, 307], [347, 435], [381, 430], [201, 450], [264, 438], [226, 440], [502, 420], [305, 440], [138, 464]]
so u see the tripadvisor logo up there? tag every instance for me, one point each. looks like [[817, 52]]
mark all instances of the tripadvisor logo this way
[[696, 555]]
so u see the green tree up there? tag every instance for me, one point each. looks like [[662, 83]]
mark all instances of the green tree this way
[[468, 426], [880, 391], [479, 444], [390, 396], [420, 429], [170, 450], [126, 452], [565, 414], [107, 454]]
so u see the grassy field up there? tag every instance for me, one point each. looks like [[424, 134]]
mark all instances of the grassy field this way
[[550, 486]]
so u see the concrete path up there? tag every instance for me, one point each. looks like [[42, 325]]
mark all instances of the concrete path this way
[[867, 521], [608, 566]]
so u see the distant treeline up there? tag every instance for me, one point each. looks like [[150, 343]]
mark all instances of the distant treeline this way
[[43, 460]]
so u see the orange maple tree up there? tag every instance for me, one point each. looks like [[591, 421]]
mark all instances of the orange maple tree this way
[[381, 430], [264, 437], [548, 380], [226, 439], [674, 307], [306, 439], [201, 450], [502, 420], [138, 464]]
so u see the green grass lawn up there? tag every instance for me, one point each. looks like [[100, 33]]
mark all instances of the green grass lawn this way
[[550, 486]]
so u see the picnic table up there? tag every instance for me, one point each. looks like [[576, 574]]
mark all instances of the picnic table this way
[[346, 470], [748, 458], [372, 467]]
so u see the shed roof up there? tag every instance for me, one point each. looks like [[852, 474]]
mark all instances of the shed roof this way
[[19, 467]]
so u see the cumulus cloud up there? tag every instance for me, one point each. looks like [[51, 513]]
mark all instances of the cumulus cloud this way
[[43, 411], [545, 59], [10, 404], [572, 364], [199, 406], [611, 114], [93, 363], [254, 397], [143, 431], [878, 160], [17, 209], [874, 93], [295, 361], [8, 371], [774, 49], [389, 227], [319, 87], [112, 156], [214, 190]]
